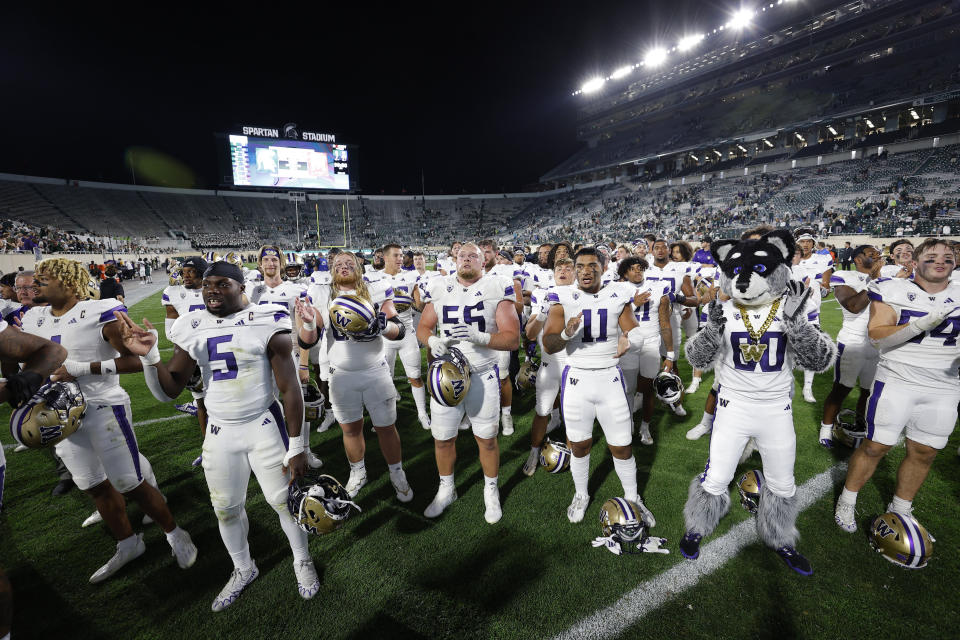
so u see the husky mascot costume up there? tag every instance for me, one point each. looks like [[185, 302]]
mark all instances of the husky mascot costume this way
[[754, 340]]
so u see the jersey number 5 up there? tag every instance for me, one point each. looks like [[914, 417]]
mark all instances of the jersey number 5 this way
[[228, 358]]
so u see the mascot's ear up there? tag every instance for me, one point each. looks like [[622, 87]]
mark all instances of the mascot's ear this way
[[721, 249], [783, 241]]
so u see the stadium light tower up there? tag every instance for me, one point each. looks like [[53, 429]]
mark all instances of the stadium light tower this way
[[689, 42], [655, 57], [741, 19], [621, 72], [591, 85]]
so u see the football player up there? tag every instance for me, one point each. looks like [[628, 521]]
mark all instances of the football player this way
[[318, 355], [814, 271], [243, 351], [902, 253], [914, 324], [479, 315], [652, 310], [551, 364], [856, 356], [359, 374], [404, 283], [103, 456], [705, 284], [595, 326], [447, 264], [501, 264], [293, 271]]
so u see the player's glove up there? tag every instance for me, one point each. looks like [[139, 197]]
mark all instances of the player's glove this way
[[22, 386], [438, 346], [469, 333], [933, 319]]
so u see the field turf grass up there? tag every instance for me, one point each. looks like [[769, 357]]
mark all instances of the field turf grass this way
[[392, 573]]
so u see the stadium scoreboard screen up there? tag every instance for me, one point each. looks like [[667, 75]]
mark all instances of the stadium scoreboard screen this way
[[260, 158]]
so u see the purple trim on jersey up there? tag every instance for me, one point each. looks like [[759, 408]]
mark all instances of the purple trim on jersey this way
[[874, 295], [836, 280], [872, 407], [836, 363], [280, 315], [164, 298], [509, 291], [281, 425], [107, 316], [813, 315], [120, 413], [361, 311], [563, 384], [388, 293], [552, 297]]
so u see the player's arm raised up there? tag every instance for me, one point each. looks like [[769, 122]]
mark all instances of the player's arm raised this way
[[851, 300], [167, 380]]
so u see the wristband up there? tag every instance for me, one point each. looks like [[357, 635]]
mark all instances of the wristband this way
[[565, 337], [153, 356], [672, 356], [296, 447], [108, 367], [76, 369], [309, 326]]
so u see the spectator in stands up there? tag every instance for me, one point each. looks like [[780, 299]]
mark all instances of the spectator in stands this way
[[703, 255], [110, 287], [845, 253], [6, 286]]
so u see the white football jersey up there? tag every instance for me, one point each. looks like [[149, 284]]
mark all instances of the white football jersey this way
[[810, 271], [708, 272], [232, 354], [403, 285], [595, 346], [524, 274], [506, 270], [648, 314], [183, 300], [251, 278], [475, 304], [8, 306], [761, 373], [543, 278], [79, 331], [343, 353], [537, 298], [854, 329], [446, 263], [929, 360], [889, 270], [285, 294]]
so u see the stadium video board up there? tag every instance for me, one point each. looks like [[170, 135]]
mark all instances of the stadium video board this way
[[287, 164]]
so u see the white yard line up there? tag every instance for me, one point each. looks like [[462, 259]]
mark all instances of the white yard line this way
[[654, 593], [167, 419]]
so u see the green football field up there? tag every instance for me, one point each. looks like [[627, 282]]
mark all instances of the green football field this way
[[392, 573]]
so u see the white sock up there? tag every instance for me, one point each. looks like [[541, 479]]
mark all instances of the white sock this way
[[644, 426], [393, 468], [359, 466], [506, 410], [695, 379], [233, 532], [555, 415], [535, 450], [446, 482], [171, 535], [808, 378], [420, 398], [849, 497], [707, 420], [490, 483], [580, 470], [296, 536], [627, 472], [902, 506], [824, 424]]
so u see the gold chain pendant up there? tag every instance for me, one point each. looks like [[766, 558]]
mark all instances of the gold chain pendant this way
[[754, 352]]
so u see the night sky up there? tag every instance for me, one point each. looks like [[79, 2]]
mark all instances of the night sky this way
[[474, 96]]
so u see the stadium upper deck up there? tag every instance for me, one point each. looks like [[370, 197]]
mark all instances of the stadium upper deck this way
[[840, 78]]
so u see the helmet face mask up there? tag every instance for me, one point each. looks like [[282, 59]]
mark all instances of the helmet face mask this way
[[901, 539], [294, 267], [620, 519], [555, 456], [321, 506], [54, 413], [448, 378], [668, 387], [849, 429], [749, 487]]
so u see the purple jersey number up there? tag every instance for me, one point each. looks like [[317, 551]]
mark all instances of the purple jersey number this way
[[228, 358]]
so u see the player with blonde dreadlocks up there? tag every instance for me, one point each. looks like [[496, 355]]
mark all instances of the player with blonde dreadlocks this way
[[108, 468]]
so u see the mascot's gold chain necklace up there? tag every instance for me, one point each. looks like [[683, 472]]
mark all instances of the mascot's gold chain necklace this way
[[755, 351]]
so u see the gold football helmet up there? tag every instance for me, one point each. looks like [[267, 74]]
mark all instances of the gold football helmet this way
[[351, 314], [53, 413], [448, 378], [555, 456], [527, 376], [620, 519], [320, 507], [901, 539], [849, 429], [234, 258], [402, 300], [749, 487], [212, 256], [176, 276], [312, 401], [294, 266], [93, 290]]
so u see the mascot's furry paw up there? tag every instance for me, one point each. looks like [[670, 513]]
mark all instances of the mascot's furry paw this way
[[776, 517], [704, 510], [703, 348], [813, 350]]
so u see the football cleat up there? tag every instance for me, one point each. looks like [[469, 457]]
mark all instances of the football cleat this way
[[189, 408], [795, 560], [690, 545], [92, 519], [120, 558], [699, 431], [555, 456], [533, 460], [645, 514], [234, 587], [63, 487], [845, 516], [328, 420], [197, 461], [54, 412], [901, 539], [808, 395], [308, 584], [356, 481], [848, 428], [443, 499], [622, 520], [506, 421], [448, 378], [678, 409], [645, 437], [491, 501], [424, 421], [578, 507], [183, 549], [749, 487], [320, 507], [668, 388], [312, 460], [694, 385], [401, 486]]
